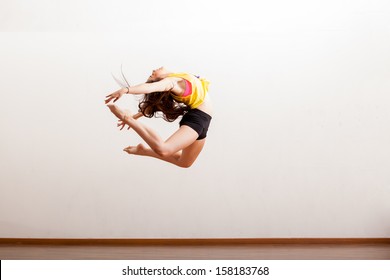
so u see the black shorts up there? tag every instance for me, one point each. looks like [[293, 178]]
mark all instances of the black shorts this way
[[198, 121]]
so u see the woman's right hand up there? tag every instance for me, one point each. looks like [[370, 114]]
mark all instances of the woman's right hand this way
[[115, 95], [122, 124]]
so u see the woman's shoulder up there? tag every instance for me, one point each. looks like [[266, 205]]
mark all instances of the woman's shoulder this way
[[183, 75], [178, 84]]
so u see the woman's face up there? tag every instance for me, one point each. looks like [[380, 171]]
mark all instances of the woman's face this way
[[156, 74]]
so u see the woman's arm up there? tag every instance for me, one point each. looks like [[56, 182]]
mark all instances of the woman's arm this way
[[138, 115], [145, 88], [122, 124]]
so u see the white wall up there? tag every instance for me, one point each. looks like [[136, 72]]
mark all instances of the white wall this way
[[298, 146]]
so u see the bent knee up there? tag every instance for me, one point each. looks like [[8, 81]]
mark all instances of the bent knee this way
[[185, 165], [163, 151]]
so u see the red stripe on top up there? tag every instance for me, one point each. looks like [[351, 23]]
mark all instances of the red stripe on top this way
[[188, 90]]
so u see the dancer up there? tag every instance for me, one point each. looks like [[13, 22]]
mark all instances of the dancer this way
[[172, 95]]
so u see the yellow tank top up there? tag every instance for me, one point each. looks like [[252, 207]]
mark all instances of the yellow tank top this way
[[199, 90]]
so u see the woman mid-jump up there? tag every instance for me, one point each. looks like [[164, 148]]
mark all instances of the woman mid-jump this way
[[173, 94]]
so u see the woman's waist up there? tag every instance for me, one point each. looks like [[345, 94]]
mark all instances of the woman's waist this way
[[206, 106]]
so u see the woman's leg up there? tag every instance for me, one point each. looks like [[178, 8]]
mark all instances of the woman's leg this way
[[141, 150], [181, 139], [184, 158]]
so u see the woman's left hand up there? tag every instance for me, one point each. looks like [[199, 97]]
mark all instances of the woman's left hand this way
[[115, 95]]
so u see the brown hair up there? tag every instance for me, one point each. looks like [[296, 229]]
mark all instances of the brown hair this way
[[163, 102]]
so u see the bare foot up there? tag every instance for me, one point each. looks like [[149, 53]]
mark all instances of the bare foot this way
[[118, 112], [135, 150]]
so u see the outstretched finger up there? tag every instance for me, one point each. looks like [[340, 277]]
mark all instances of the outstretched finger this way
[[108, 100], [120, 124]]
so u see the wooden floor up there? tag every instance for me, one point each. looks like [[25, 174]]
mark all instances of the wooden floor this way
[[235, 252]]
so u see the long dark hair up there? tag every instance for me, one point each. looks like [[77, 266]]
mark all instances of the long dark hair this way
[[163, 102]]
